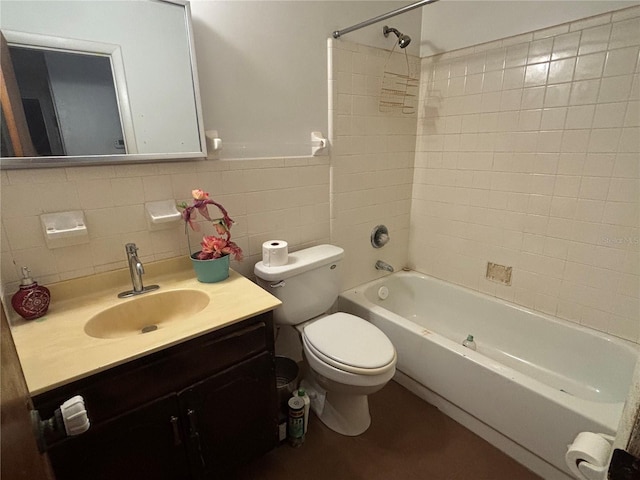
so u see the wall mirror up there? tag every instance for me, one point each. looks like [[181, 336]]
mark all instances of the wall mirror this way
[[98, 82]]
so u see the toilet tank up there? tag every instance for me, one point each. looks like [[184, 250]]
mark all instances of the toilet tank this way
[[307, 285]]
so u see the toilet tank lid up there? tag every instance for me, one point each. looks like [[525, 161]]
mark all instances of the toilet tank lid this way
[[300, 262]]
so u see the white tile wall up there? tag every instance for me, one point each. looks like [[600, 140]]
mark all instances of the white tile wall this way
[[372, 158], [528, 155], [268, 198]]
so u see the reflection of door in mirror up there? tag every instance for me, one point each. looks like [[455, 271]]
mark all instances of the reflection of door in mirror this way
[[69, 101], [149, 44], [14, 138]]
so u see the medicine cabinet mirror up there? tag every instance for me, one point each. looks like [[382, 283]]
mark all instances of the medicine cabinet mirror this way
[[97, 82]]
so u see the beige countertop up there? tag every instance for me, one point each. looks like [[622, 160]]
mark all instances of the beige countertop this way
[[55, 350]]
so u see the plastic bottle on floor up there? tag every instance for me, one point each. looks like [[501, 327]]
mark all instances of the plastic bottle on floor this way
[[470, 343], [301, 392]]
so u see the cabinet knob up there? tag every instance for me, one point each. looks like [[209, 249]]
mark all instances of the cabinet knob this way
[[194, 435], [177, 439], [193, 425]]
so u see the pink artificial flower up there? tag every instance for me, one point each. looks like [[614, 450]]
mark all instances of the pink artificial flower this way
[[199, 194], [235, 250], [221, 229], [212, 246], [216, 247], [188, 215]]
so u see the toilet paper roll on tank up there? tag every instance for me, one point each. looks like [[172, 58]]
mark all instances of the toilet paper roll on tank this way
[[275, 253]]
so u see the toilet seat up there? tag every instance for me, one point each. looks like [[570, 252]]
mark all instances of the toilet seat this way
[[350, 344]]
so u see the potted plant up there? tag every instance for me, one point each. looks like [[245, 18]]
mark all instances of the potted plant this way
[[211, 263]]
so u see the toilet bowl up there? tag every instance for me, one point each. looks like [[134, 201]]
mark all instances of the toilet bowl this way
[[348, 357], [345, 372]]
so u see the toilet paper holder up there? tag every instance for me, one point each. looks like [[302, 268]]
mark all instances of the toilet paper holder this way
[[583, 469]]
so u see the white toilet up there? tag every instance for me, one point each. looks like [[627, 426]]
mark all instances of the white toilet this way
[[349, 358]]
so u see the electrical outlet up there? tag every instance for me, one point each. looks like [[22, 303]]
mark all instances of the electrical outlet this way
[[499, 273]]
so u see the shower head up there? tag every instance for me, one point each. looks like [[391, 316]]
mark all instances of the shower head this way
[[403, 40]]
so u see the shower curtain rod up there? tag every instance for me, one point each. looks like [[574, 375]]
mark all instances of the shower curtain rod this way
[[379, 18]]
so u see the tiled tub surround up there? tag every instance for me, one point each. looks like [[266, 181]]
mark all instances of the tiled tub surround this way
[[269, 198], [372, 158], [528, 156]]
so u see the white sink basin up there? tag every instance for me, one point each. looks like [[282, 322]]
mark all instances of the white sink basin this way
[[146, 313]]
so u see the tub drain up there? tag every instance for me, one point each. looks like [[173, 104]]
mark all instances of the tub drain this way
[[149, 328]]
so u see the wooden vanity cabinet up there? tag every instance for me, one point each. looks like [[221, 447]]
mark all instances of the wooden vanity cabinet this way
[[192, 411], [228, 419], [139, 444]]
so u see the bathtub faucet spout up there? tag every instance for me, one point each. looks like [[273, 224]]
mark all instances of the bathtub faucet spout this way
[[380, 265]]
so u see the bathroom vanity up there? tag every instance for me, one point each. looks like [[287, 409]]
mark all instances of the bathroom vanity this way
[[192, 399]]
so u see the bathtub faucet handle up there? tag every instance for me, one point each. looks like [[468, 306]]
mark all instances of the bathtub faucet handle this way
[[379, 236]]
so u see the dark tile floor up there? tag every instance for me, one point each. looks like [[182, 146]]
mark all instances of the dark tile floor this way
[[408, 439]]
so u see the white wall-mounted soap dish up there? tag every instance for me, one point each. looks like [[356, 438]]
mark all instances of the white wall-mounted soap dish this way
[[63, 229], [162, 212]]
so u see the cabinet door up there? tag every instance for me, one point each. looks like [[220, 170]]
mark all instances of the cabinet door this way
[[231, 417], [144, 443]]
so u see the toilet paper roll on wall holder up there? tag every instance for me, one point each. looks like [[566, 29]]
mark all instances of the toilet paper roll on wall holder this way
[[590, 467]]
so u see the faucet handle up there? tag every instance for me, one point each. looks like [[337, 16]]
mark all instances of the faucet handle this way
[[379, 236], [131, 248]]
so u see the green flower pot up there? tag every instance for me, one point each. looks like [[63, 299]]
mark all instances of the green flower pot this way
[[211, 271]]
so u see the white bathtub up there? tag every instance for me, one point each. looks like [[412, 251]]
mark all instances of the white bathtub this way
[[534, 382]]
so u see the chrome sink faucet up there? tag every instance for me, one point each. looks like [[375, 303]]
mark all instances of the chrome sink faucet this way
[[380, 265], [136, 269]]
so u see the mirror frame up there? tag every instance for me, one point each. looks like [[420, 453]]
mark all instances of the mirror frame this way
[[113, 51]]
